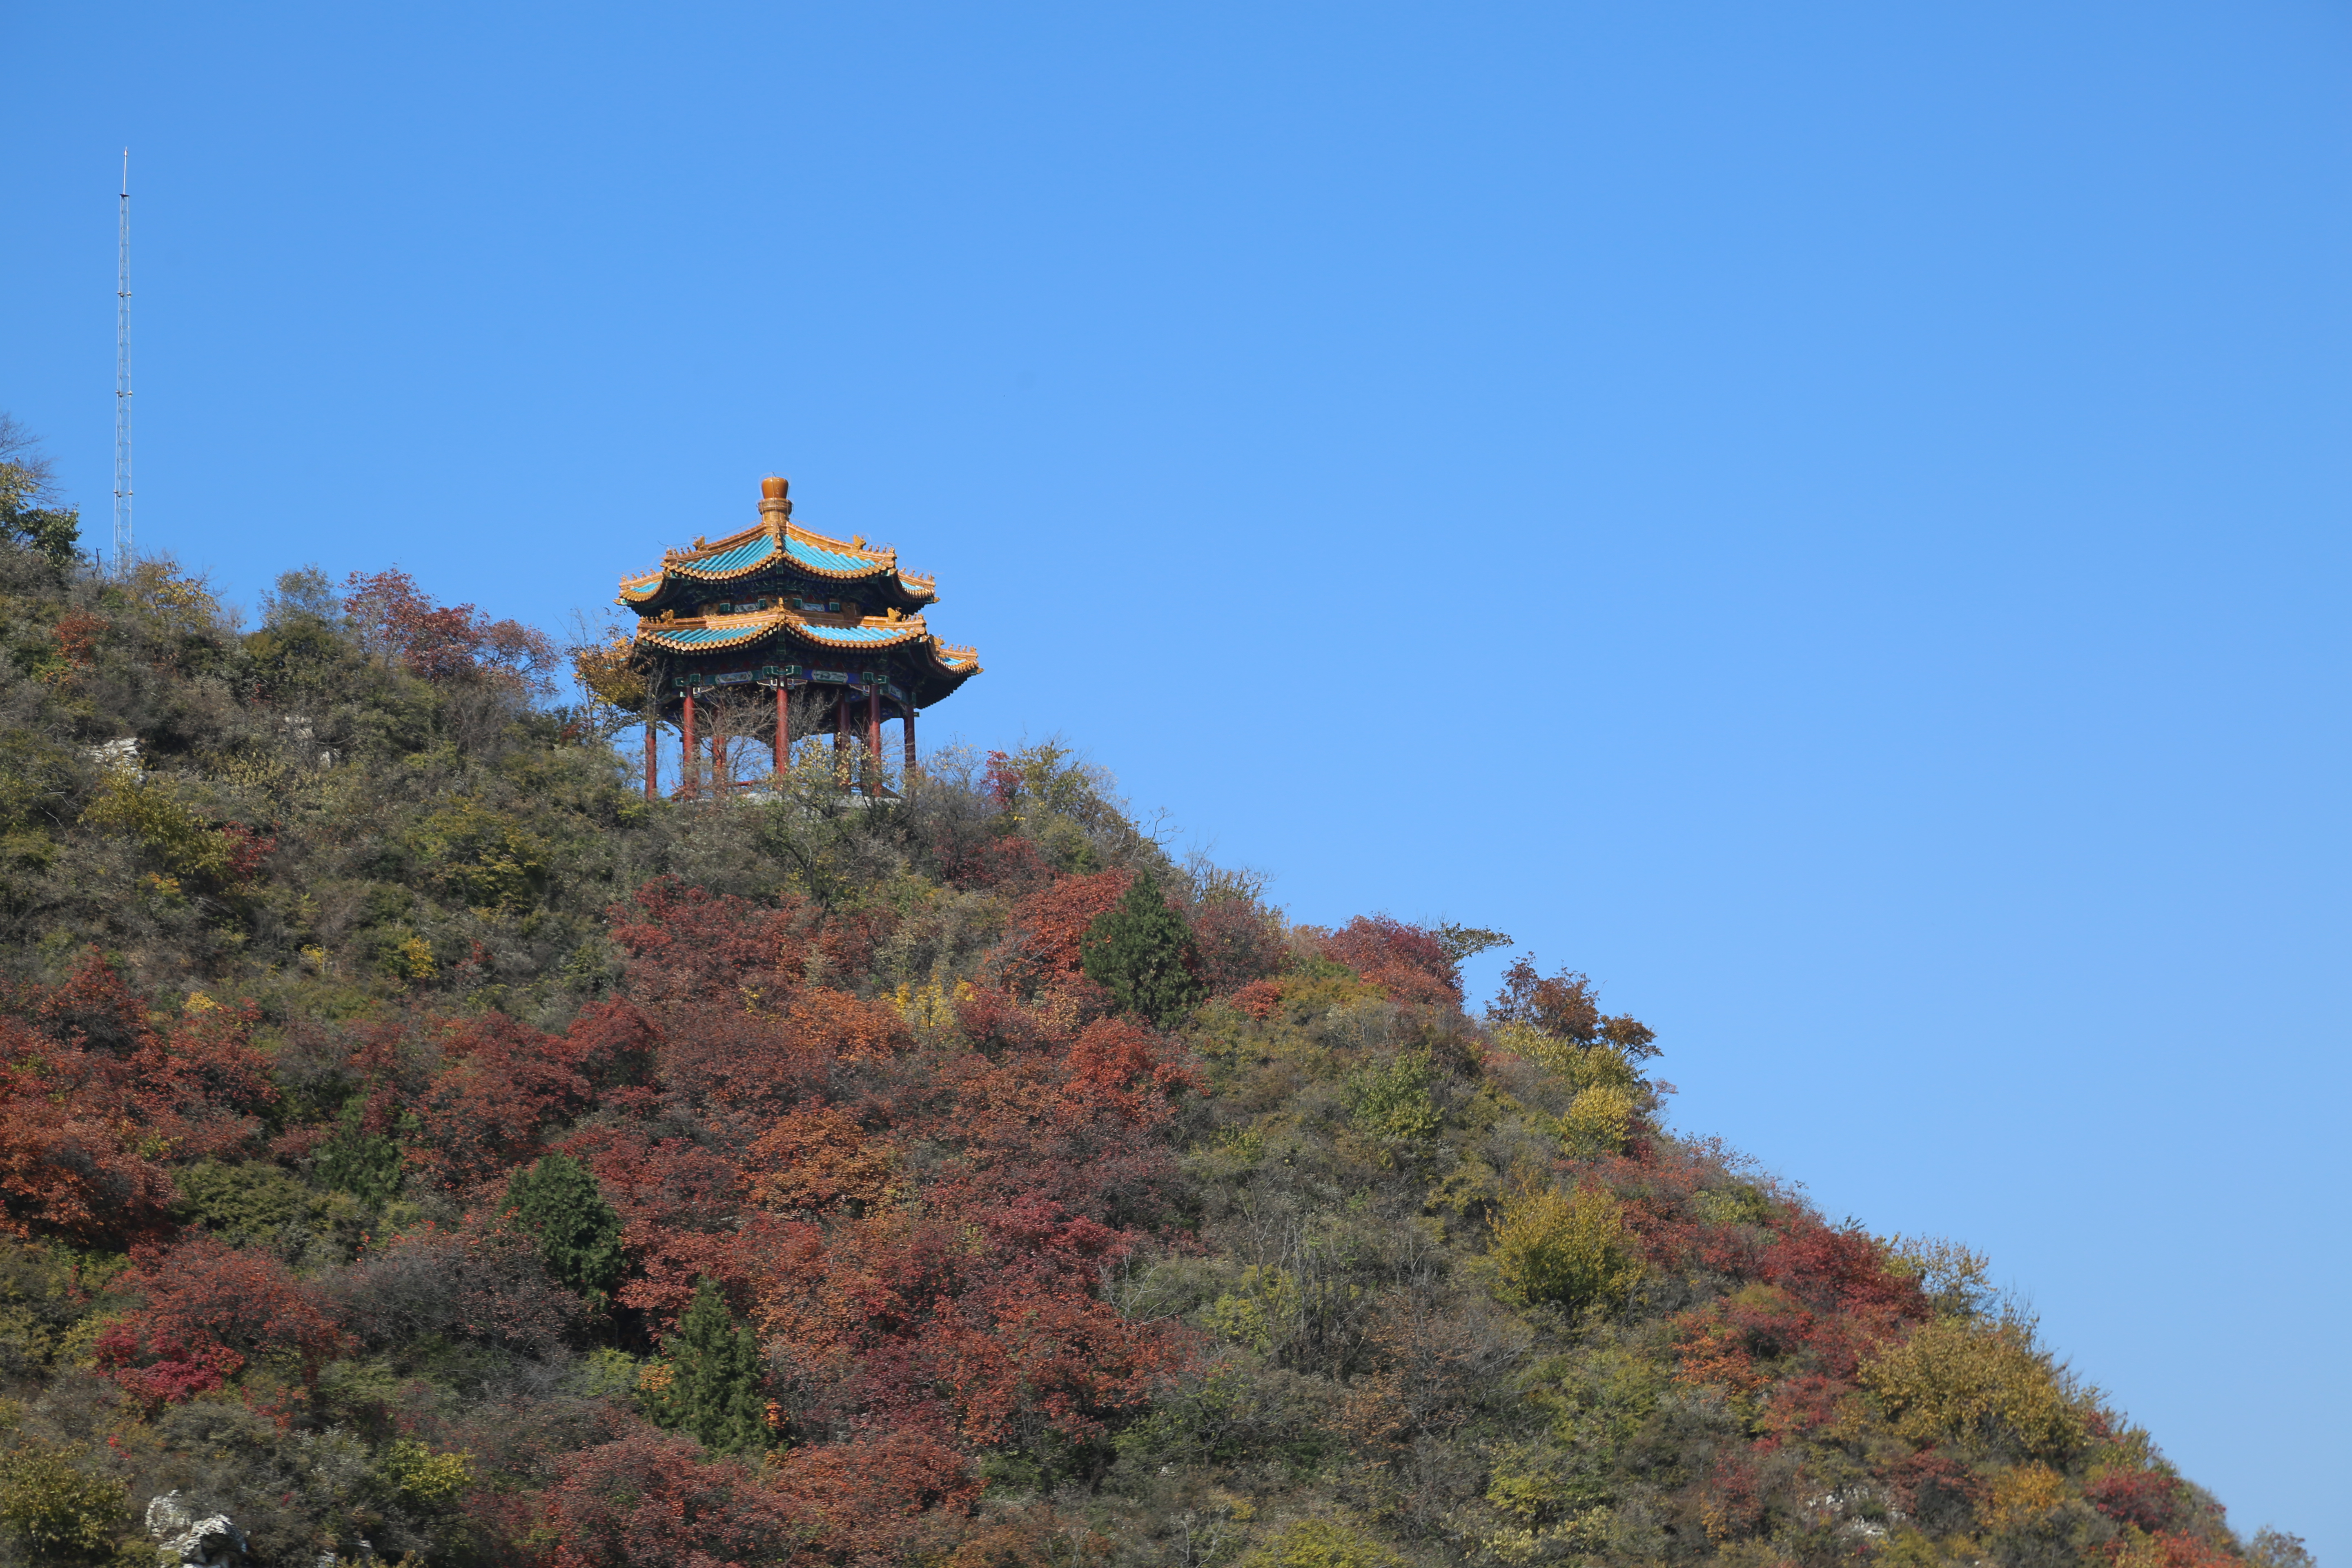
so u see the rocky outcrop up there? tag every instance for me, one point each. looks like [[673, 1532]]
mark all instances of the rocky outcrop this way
[[184, 1537]]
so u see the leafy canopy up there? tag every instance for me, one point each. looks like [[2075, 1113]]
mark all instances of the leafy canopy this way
[[28, 515]]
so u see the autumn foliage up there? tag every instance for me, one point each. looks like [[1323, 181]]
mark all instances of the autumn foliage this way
[[206, 1312], [408, 1134], [97, 1099]]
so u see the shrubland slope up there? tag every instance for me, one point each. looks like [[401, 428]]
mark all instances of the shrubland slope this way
[[413, 1144]]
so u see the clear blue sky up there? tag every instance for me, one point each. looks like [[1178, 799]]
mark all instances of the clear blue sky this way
[[1830, 517]]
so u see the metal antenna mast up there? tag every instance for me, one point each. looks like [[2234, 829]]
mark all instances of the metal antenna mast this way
[[122, 546]]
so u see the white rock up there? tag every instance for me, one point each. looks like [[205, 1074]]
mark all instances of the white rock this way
[[211, 1542]]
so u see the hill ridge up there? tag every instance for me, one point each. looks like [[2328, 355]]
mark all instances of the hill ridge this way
[[411, 1137]]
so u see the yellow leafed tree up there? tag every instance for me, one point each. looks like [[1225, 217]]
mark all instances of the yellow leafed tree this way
[[1952, 1380], [1565, 1249]]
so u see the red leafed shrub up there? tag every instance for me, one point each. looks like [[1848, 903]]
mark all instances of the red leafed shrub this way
[[689, 943], [980, 1312], [737, 1068], [661, 1181], [1841, 1269], [1130, 1069], [1239, 942], [77, 633], [1723, 1343], [844, 940], [1938, 1491], [763, 1254], [883, 1495], [904, 1322], [503, 1088], [1734, 1494], [1259, 998], [208, 1311], [1042, 945], [1025, 1358], [1562, 1006], [681, 1209], [68, 1165], [444, 642], [201, 1085], [1565, 1007], [1029, 1129], [994, 1022], [1003, 779], [1808, 1402], [93, 1099], [2148, 1499], [246, 851], [1409, 962], [616, 1044], [649, 1499], [816, 1158], [93, 1007]]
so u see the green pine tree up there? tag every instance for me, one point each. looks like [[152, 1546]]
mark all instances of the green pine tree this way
[[713, 1393], [1141, 951], [578, 1236]]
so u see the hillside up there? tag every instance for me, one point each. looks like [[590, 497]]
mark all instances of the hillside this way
[[416, 1146]]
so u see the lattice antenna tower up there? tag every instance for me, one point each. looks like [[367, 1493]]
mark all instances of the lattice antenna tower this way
[[122, 543]]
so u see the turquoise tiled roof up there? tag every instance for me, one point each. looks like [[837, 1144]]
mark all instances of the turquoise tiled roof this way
[[826, 559], [754, 552], [750, 552], [702, 636], [761, 549]]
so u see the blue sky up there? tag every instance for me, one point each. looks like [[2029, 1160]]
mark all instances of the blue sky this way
[[1830, 517]]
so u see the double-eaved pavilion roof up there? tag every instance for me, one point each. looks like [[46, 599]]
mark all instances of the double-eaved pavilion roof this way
[[674, 615], [716, 633], [777, 542]]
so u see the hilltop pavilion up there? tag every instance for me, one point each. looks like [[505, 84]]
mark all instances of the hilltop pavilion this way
[[834, 629]]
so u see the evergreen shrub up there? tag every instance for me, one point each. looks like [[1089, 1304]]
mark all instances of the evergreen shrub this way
[[708, 1386], [575, 1232], [1141, 951]]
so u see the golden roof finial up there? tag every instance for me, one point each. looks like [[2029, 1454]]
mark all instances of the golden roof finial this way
[[775, 501]]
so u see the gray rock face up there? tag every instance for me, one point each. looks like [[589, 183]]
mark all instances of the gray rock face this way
[[123, 754], [210, 1542]]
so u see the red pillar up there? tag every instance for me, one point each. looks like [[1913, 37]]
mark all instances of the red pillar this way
[[688, 763], [653, 762], [873, 740], [718, 752], [784, 729], [841, 763], [906, 712]]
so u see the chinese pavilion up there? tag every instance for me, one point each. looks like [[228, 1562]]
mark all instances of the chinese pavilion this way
[[835, 630]]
